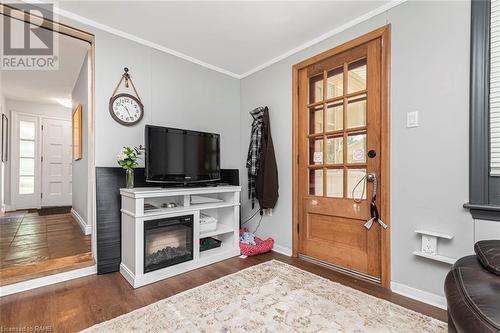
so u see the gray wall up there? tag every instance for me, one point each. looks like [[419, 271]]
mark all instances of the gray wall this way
[[80, 176], [429, 164], [175, 93]]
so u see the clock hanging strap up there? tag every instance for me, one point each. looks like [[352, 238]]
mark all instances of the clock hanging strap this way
[[127, 78]]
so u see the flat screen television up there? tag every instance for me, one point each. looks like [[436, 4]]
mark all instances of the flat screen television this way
[[181, 156]]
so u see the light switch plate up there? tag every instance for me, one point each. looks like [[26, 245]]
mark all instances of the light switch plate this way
[[429, 244], [412, 119]]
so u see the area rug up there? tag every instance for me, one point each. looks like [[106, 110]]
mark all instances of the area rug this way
[[272, 297]]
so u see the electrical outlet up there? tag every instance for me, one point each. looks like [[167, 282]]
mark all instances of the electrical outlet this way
[[412, 119], [429, 244]]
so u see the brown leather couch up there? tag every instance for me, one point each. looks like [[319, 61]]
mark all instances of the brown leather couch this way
[[472, 289]]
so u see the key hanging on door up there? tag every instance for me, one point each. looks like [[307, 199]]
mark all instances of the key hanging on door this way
[[375, 217]]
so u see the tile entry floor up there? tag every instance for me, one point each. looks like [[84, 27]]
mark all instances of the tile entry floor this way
[[27, 238]]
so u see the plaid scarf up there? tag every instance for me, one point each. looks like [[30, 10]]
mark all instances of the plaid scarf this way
[[253, 157]]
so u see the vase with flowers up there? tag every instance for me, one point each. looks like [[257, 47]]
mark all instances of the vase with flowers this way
[[127, 158]]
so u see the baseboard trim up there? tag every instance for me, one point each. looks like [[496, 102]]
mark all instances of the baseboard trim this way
[[282, 250], [87, 229], [127, 274], [419, 295], [47, 280]]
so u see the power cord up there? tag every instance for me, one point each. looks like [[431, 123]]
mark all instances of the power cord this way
[[251, 217], [258, 225]]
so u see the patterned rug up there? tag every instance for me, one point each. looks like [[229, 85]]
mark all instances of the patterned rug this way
[[272, 297]]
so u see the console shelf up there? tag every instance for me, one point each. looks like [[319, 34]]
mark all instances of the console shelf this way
[[221, 229], [221, 202]]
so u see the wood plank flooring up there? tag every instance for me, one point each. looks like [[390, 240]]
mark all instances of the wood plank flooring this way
[[74, 305], [31, 245]]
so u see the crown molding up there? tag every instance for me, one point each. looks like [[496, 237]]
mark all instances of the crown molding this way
[[139, 40], [120, 33], [326, 35]]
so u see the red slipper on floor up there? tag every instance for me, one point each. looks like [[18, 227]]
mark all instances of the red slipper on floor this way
[[262, 246]]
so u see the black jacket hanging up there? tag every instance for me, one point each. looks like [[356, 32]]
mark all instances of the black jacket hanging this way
[[266, 183]]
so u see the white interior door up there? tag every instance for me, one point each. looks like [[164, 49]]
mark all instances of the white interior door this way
[[25, 189], [56, 162]]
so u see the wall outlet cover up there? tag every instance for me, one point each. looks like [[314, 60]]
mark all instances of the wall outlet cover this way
[[412, 119], [429, 244]]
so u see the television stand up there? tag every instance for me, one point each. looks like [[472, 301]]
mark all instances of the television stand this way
[[188, 185], [146, 208]]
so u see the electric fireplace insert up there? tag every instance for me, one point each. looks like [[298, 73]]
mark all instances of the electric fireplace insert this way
[[167, 242]]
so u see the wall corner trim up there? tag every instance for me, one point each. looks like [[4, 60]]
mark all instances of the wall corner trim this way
[[282, 250], [419, 295], [86, 228]]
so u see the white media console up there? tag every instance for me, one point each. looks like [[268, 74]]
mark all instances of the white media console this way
[[153, 207]]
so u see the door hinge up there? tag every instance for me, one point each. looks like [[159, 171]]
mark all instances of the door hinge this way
[[41, 195], [42, 127], [41, 159], [298, 228], [298, 159]]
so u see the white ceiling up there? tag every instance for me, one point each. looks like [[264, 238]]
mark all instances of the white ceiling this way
[[236, 36], [46, 86]]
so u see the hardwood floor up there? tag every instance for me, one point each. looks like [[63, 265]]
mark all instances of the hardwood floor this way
[[49, 267], [33, 245], [74, 305]]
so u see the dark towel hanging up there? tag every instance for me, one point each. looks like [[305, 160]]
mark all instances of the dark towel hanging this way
[[267, 177]]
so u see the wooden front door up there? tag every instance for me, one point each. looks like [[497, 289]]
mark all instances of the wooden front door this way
[[339, 145]]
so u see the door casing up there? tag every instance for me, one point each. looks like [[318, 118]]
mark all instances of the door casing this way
[[13, 12], [384, 34]]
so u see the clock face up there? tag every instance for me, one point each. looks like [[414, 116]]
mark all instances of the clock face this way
[[126, 109]]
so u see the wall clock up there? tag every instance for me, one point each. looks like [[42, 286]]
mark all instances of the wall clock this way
[[126, 109]]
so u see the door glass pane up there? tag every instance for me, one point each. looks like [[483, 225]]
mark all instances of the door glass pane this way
[[356, 145], [26, 148], [334, 117], [356, 79], [26, 166], [316, 151], [356, 111], [316, 120], [27, 130], [335, 183], [316, 182], [355, 176], [334, 150], [316, 88], [26, 185], [335, 83]]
